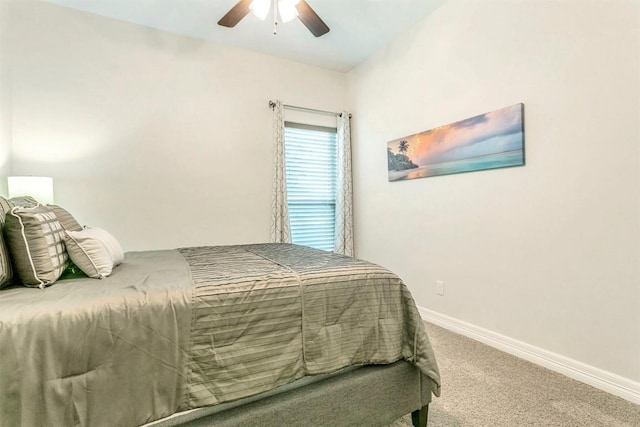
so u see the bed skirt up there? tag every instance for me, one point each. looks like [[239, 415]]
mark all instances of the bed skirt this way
[[374, 395]]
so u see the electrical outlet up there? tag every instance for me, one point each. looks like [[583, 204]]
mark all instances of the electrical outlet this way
[[440, 287]]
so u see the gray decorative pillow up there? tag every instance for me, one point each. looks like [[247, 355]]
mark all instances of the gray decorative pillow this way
[[24, 202], [5, 207], [6, 272], [67, 220], [36, 243]]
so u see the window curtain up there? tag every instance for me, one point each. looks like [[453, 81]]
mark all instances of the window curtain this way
[[344, 193], [280, 228]]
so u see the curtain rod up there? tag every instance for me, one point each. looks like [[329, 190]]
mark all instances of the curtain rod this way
[[306, 110]]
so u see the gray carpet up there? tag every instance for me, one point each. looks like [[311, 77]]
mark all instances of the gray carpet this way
[[482, 386]]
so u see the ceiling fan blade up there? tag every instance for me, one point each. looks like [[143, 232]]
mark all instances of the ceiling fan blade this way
[[235, 14], [311, 19]]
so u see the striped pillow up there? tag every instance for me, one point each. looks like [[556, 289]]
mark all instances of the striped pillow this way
[[6, 272], [5, 207], [24, 202], [36, 243], [67, 220]]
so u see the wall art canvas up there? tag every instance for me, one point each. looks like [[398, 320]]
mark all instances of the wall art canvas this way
[[488, 141]]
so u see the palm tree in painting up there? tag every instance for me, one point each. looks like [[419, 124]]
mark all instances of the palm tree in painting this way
[[400, 161], [403, 146]]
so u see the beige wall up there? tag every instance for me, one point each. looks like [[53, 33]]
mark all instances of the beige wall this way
[[162, 139], [549, 253], [5, 99]]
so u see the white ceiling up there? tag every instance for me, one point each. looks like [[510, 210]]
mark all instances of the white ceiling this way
[[358, 27]]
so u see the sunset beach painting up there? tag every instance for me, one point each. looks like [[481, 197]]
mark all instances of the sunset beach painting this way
[[488, 141]]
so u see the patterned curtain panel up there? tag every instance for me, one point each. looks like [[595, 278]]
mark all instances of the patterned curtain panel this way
[[280, 228], [344, 197]]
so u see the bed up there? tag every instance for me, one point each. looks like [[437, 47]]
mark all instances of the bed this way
[[264, 334]]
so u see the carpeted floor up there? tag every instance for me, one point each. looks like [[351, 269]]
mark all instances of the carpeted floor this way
[[485, 387]]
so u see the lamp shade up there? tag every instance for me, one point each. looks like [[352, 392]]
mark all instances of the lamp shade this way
[[38, 187]]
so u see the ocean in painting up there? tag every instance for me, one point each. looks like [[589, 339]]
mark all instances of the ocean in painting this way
[[487, 141], [491, 161]]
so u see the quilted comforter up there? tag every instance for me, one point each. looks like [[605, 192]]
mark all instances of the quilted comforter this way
[[179, 329]]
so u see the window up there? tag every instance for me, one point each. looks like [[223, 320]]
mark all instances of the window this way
[[311, 174]]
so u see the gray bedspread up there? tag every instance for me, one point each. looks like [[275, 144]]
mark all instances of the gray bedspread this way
[[173, 330]]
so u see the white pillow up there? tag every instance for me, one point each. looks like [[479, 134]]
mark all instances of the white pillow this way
[[111, 244], [94, 251]]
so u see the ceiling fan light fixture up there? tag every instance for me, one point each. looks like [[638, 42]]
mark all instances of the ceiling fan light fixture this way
[[260, 8], [287, 9]]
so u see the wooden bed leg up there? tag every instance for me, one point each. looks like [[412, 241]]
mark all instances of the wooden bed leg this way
[[419, 417]]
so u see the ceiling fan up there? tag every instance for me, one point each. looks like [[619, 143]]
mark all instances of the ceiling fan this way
[[286, 9]]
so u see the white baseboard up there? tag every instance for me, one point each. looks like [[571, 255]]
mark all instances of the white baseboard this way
[[598, 378]]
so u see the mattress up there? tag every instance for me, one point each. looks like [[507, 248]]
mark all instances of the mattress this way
[[180, 329]]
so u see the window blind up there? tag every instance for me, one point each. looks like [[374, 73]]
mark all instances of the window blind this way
[[311, 175]]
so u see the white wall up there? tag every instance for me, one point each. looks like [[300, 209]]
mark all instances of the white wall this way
[[5, 100], [549, 253], [161, 139]]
